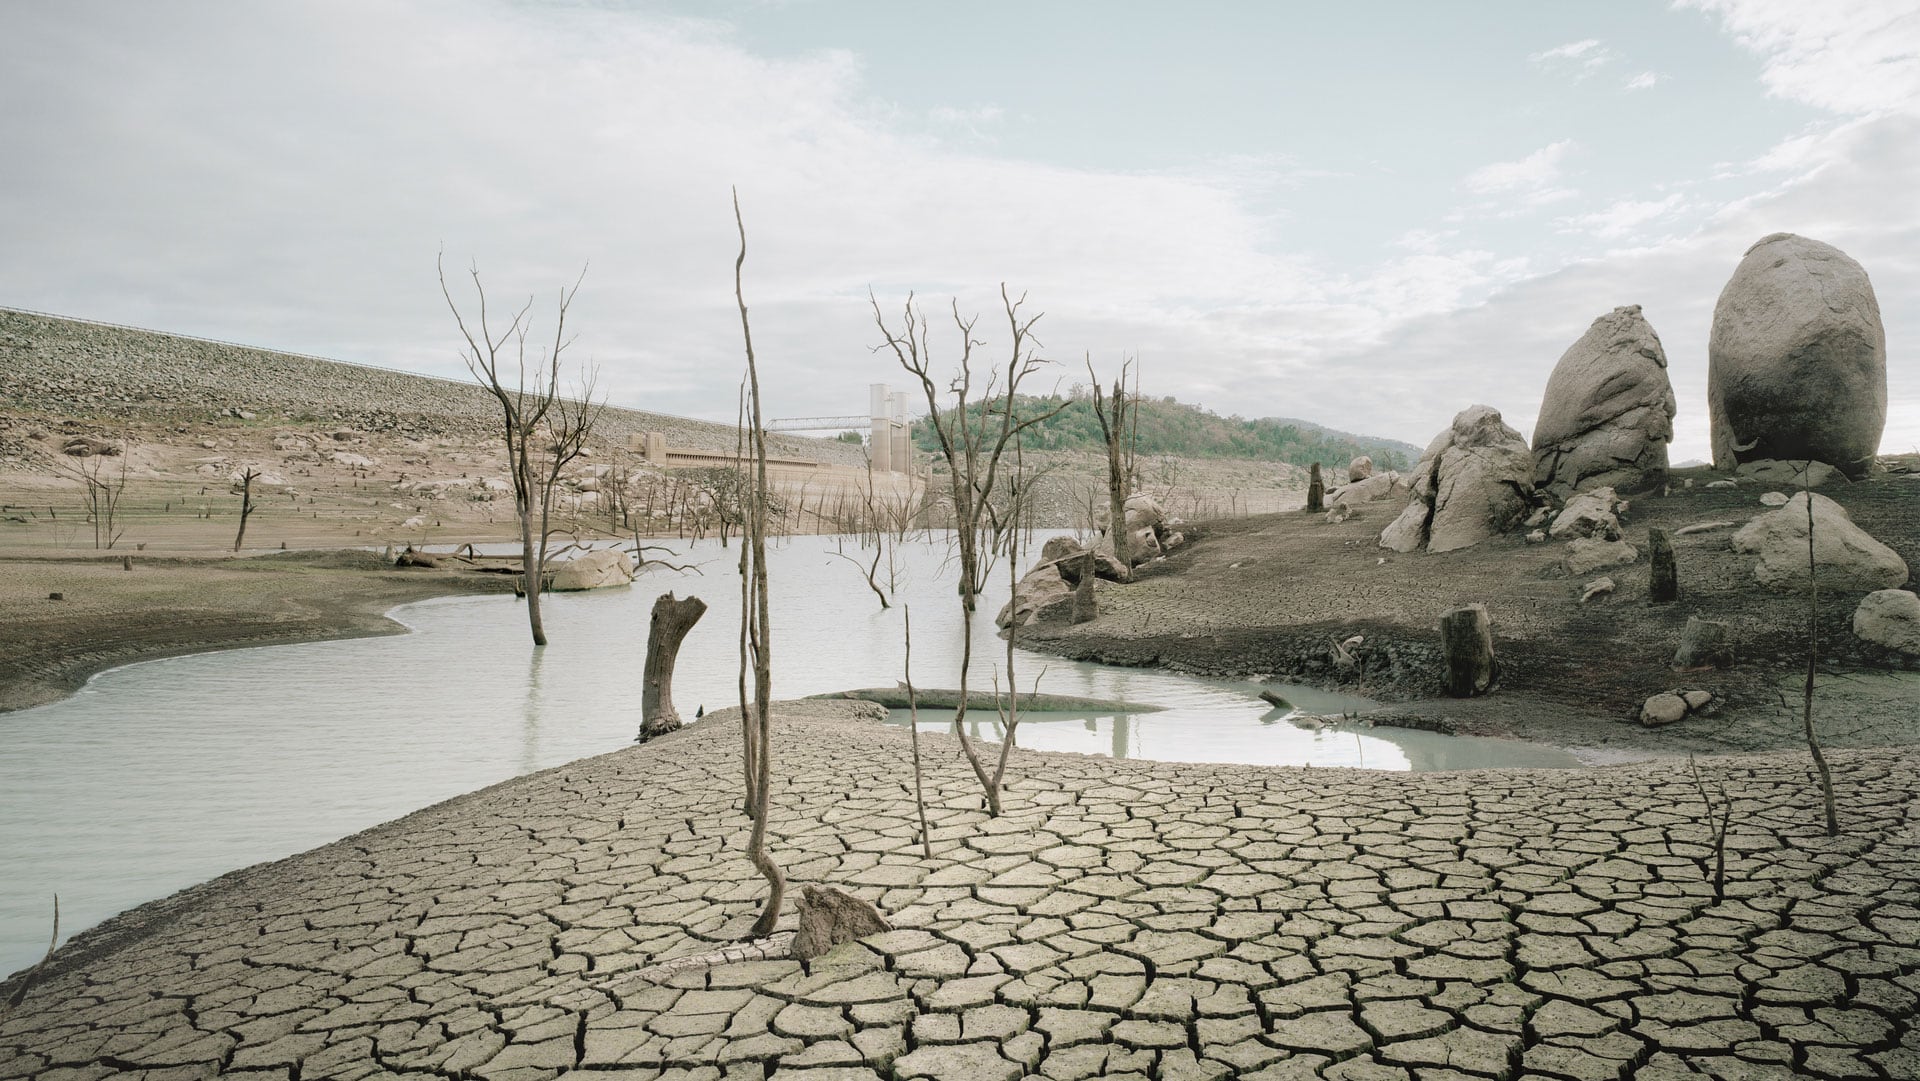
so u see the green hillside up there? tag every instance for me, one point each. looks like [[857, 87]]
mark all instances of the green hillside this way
[[1170, 427]]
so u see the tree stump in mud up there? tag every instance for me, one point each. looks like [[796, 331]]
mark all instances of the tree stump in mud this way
[[1085, 608], [1703, 645], [1466, 650], [1316, 490], [829, 917], [671, 621], [1663, 581]]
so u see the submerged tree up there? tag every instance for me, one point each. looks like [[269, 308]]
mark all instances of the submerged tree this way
[[756, 633], [247, 508], [544, 431], [103, 488], [974, 436], [1113, 412]]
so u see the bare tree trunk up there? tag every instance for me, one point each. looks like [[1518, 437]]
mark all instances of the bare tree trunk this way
[[1813, 658], [1316, 490], [753, 550], [1466, 647], [246, 506], [1663, 580], [671, 621], [913, 726]]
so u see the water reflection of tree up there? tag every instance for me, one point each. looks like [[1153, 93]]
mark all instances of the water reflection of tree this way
[[530, 727]]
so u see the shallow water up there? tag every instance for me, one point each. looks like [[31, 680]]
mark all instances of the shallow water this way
[[163, 774]]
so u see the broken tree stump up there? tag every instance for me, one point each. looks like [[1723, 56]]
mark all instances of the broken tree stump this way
[[1703, 645], [1316, 490], [1466, 650], [671, 621], [1663, 581], [829, 917], [1085, 608]]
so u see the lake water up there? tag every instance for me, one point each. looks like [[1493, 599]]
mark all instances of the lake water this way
[[166, 773]]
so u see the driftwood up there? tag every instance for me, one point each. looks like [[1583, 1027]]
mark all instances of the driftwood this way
[[671, 621], [1663, 582], [1466, 647], [936, 698]]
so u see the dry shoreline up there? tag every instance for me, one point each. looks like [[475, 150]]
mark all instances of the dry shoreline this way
[[171, 606]]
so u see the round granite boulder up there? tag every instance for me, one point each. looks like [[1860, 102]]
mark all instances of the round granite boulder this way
[[1607, 416], [1797, 361]]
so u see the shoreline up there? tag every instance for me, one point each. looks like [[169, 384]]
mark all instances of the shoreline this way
[[174, 606]]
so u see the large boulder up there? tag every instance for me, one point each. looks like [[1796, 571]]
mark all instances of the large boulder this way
[[1797, 361], [596, 570], [1370, 489], [1144, 512], [1890, 618], [1608, 413], [1592, 513], [1846, 557], [1474, 481], [1043, 593], [1360, 468]]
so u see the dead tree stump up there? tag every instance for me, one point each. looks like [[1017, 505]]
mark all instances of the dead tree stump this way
[[1316, 490], [829, 917], [1663, 582], [1703, 645], [671, 621], [1085, 608], [1466, 649]]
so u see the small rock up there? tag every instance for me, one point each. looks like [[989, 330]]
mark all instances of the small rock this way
[[1721, 484], [1697, 700], [1663, 709], [1588, 554], [1341, 512], [1538, 536], [1597, 588], [1703, 645], [1774, 499], [1701, 527]]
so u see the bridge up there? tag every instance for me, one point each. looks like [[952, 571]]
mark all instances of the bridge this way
[[889, 437]]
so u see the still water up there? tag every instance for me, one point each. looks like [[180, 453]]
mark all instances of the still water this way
[[163, 774]]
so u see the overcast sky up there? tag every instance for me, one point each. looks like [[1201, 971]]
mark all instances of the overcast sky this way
[[1370, 215]]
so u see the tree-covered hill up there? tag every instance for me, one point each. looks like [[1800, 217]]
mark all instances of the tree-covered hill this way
[[1176, 428]]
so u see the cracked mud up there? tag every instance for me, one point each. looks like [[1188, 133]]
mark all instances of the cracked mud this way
[[1122, 919]]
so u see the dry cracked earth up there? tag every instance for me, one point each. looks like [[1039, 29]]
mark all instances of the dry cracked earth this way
[[1123, 919]]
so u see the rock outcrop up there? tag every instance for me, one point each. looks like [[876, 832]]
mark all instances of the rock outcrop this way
[[1846, 557], [1797, 361], [1608, 413], [596, 570], [1473, 482], [1592, 513]]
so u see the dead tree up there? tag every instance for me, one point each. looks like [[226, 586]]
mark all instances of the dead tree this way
[[1113, 417], [1466, 648], [246, 504], [671, 621], [973, 448], [102, 489], [913, 727], [756, 633], [543, 431], [1719, 818]]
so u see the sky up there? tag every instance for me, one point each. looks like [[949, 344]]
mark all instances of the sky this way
[[1368, 215]]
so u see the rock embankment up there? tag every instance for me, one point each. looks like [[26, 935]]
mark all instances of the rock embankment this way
[[1133, 919], [71, 368]]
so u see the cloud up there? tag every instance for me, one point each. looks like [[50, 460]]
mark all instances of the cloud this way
[[1582, 58], [1845, 56], [1531, 173], [1623, 218], [1646, 80]]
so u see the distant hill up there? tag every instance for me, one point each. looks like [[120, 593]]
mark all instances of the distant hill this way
[[1167, 426]]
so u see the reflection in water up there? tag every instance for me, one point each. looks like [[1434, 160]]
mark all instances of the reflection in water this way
[[160, 775]]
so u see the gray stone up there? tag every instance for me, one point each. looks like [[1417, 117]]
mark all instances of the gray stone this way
[[1773, 499], [1360, 468], [1797, 361], [1846, 557], [1608, 412], [1802, 473], [1890, 618], [595, 570], [1590, 514], [1663, 709], [1042, 594], [1703, 645], [1599, 587], [1473, 482], [1588, 554]]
